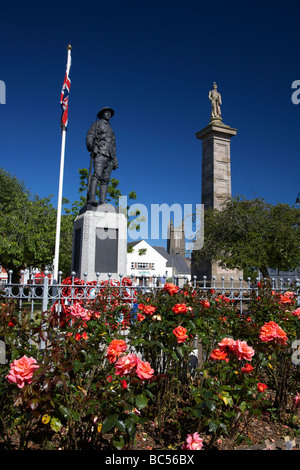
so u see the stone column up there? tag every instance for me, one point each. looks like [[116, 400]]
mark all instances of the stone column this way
[[216, 180], [216, 168]]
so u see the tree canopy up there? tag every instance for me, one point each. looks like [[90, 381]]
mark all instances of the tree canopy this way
[[252, 235], [27, 223]]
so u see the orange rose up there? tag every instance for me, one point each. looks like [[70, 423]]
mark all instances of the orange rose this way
[[239, 348], [149, 309], [205, 303], [180, 333], [115, 349], [179, 308], [270, 331], [287, 298], [171, 288], [219, 354]]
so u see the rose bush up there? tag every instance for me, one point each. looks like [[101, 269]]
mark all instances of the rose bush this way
[[115, 361]]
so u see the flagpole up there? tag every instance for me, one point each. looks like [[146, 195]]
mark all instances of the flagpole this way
[[60, 187]]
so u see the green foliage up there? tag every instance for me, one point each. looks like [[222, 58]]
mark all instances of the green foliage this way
[[252, 235]]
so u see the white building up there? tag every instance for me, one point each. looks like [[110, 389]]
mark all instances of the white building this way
[[146, 262], [3, 276]]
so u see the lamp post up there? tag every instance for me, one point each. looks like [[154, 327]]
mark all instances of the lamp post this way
[[298, 200]]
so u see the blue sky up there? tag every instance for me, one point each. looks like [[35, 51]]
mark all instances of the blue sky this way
[[154, 63]]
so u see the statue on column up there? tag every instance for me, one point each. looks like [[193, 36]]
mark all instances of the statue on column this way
[[101, 143], [216, 102]]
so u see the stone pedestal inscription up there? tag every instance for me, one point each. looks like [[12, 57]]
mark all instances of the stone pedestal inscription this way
[[100, 242]]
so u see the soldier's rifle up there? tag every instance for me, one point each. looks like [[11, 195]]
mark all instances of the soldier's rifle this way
[[91, 161]]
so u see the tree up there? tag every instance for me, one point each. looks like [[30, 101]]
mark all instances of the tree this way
[[27, 225], [252, 235]]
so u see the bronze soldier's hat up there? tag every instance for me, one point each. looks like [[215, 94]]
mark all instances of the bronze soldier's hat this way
[[99, 115]]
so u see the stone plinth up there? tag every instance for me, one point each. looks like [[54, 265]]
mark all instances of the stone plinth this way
[[100, 242]]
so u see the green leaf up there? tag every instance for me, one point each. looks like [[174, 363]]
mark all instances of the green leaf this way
[[120, 425], [213, 426], [131, 427], [55, 424], [141, 401], [108, 424], [118, 443], [65, 412], [197, 412], [77, 366], [210, 405]]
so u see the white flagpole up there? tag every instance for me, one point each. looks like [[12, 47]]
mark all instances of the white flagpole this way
[[61, 177]]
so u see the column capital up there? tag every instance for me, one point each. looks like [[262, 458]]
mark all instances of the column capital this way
[[216, 128]]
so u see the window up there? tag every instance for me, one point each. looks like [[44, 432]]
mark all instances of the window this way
[[143, 265]]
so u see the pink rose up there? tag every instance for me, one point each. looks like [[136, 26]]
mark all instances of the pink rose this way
[[243, 351], [296, 312], [239, 348], [78, 311], [193, 442], [226, 343], [22, 370], [143, 370], [126, 364]]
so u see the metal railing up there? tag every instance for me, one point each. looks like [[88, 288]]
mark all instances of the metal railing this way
[[44, 294], [41, 296]]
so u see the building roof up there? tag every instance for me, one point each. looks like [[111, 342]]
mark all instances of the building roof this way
[[177, 261]]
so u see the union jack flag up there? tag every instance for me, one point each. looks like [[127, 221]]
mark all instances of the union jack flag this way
[[64, 100]]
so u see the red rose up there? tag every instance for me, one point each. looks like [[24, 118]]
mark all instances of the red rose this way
[[180, 333], [179, 308], [261, 387], [219, 355]]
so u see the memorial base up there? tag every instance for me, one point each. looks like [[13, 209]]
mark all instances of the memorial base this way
[[99, 243]]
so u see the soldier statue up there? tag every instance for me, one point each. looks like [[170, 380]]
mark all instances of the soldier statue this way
[[101, 142], [216, 102]]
